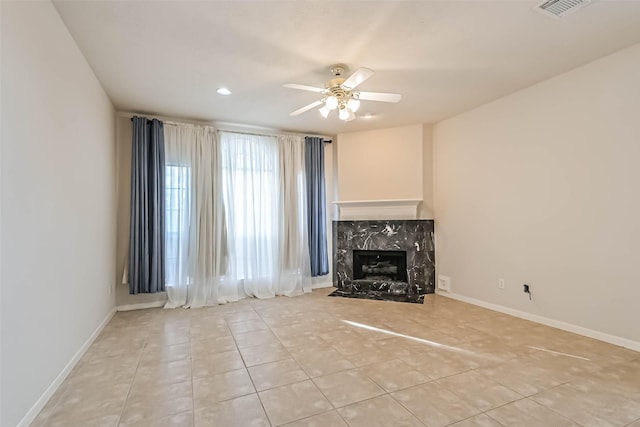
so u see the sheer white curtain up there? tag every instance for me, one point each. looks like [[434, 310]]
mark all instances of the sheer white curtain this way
[[295, 263], [195, 238], [263, 199]]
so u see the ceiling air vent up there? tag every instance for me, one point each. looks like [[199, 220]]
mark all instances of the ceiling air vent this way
[[560, 8]]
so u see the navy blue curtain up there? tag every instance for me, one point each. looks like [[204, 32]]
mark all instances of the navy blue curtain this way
[[146, 230], [316, 205]]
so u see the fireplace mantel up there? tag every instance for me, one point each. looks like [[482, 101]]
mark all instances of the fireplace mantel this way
[[378, 209]]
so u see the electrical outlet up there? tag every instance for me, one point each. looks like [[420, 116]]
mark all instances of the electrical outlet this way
[[444, 283], [501, 283]]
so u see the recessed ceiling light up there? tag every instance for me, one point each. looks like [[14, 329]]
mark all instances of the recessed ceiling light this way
[[223, 91], [368, 116]]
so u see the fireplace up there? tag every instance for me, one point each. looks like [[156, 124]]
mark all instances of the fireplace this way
[[390, 259]]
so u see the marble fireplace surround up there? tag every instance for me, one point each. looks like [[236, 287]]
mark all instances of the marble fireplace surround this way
[[413, 236]]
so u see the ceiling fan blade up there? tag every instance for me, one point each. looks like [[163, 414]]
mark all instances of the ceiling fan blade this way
[[304, 87], [358, 76], [380, 96], [306, 108]]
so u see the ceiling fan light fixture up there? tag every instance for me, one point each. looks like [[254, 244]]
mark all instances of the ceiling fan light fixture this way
[[352, 116], [345, 113], [353, 104], [324, 111], [331, 103]]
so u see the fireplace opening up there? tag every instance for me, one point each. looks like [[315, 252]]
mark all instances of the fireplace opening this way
[[380, 265]]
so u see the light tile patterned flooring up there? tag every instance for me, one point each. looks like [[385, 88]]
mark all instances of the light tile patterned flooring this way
[[296, 362]]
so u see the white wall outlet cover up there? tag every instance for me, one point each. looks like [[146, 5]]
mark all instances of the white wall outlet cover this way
[[444, 283], [501, 283]]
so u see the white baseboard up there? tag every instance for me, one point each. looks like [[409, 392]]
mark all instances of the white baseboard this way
[[569, 327], [141, 306], [44, 398]]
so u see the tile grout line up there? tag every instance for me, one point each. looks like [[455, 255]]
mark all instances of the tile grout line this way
[[126, 400], [537, 403], [248, 373], [548, 407], [632, 422], [246, 368], [473, 416], [193, 391], [309, 378], [405, 407]]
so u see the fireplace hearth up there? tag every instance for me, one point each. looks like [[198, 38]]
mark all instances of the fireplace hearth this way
[[384, 260]]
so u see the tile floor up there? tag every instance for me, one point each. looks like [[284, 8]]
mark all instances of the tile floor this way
[[299, 362]]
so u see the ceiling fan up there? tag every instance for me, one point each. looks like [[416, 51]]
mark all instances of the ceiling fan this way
[[339, 93]]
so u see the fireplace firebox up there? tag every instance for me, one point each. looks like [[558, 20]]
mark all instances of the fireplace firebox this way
[[380, 265]]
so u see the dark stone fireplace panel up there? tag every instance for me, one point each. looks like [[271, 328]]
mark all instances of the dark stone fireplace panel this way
[[412, 238]]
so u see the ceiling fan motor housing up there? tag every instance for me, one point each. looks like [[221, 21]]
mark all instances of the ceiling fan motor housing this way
[[338, 91], [334, 86]]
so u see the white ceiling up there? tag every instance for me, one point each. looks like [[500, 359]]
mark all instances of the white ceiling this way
[[444, 57]]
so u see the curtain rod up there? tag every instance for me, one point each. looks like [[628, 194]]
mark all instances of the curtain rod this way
[[325, 139], [147, 119]]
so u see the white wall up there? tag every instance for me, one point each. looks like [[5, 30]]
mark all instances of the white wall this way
[[387, 164], [58, 218], [380, 164], [541, 187], [426, 207]]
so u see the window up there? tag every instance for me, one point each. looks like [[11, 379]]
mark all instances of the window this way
[[234, 223], [177, 212], [251, 188]]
